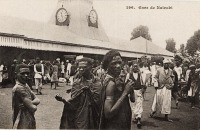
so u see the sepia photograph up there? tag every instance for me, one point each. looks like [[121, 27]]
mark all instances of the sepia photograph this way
[[100, 64]]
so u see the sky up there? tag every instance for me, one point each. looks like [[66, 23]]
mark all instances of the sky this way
[[178, 23]]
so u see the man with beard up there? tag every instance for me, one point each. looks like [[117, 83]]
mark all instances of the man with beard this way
[[162, 99], [24, 100], [82, 110], [140, 88], [116, 110]]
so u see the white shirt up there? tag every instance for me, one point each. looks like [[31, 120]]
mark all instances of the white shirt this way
[[153, 69], [38, 74], [62, 68], [135, 75], [1, 68], [166, 71], [69, 65], [178, 71]]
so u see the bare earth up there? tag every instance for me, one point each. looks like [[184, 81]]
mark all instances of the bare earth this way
[[49, 111]]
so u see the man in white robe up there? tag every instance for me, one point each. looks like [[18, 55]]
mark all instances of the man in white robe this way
[[162, 99]]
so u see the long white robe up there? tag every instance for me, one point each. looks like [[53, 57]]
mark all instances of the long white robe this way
[[162, 101], [137, 107]]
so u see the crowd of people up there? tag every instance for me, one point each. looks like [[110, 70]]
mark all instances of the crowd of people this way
[[41, 72], [101, 93]]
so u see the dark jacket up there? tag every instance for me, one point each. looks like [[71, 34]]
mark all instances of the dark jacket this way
[[175, 87]]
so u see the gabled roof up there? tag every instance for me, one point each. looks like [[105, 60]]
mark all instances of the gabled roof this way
[[141, 45], [148, 47], [35, 30]]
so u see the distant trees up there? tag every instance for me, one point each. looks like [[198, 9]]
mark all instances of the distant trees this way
[[170, 45], [141, 31], [182, 50], [193, 44]]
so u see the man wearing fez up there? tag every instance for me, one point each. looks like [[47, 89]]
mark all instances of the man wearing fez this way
[[82, 110], [24, 101], [140, 87], [162, 99], [116, 110]]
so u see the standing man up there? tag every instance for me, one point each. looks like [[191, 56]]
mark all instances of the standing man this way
[[139, 90], [116, 110], [31, 77], [162, 98], [175, 87], [24, 101], [193, 85], [178, 70], [67, 69], [82, 110], [73, 71], [69, 65], [1, 73], [54, 76], [39, 72], [59, 67], [62, 69], [12, 71], [100, 72], [153, 72]]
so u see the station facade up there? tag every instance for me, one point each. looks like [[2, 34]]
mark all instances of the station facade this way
[[73, 29]]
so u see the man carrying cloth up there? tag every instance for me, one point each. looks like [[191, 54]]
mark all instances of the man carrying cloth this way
[[82, 110]]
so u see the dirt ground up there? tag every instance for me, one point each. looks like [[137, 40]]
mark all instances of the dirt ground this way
[[49, 111]]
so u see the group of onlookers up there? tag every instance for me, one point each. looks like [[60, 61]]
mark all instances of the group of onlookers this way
[[41, 72], [3, 75], [101, 94]]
